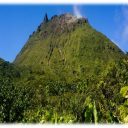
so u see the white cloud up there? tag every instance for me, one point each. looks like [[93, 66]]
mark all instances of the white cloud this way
[[121, 33], [76, 11], [125, 33], [125, 24]]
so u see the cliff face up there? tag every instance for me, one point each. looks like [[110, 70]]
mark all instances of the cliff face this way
[[68, 47]]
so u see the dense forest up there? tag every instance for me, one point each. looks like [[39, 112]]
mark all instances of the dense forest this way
[[75, 76], [27, 97]]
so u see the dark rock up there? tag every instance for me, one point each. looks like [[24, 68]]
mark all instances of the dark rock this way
[[45, 18], [53, 17]]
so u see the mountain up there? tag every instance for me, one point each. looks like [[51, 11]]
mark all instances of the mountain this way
[[67, 72], [68, 48]]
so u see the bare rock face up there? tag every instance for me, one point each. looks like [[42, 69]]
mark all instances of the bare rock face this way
[[60, 24], [68, 19]]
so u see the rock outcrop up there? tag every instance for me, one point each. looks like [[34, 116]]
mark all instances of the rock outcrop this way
[[45, 18]]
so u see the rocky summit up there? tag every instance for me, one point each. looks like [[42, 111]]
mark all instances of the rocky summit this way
[[60, 24]]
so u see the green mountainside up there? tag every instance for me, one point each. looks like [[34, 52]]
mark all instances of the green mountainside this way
[[66, 47], [67, 72]]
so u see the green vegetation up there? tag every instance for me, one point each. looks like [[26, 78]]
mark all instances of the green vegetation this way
[[27, 96], [72, 76]]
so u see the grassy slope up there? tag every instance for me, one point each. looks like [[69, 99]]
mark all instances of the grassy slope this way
[[69, 56]]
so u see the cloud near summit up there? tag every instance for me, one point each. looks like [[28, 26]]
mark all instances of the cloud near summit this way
[[76, 11]]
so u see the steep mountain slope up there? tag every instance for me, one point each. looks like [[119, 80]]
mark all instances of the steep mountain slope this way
[[68, 48]]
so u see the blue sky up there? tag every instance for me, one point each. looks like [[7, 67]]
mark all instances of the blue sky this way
[[17, 22]]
